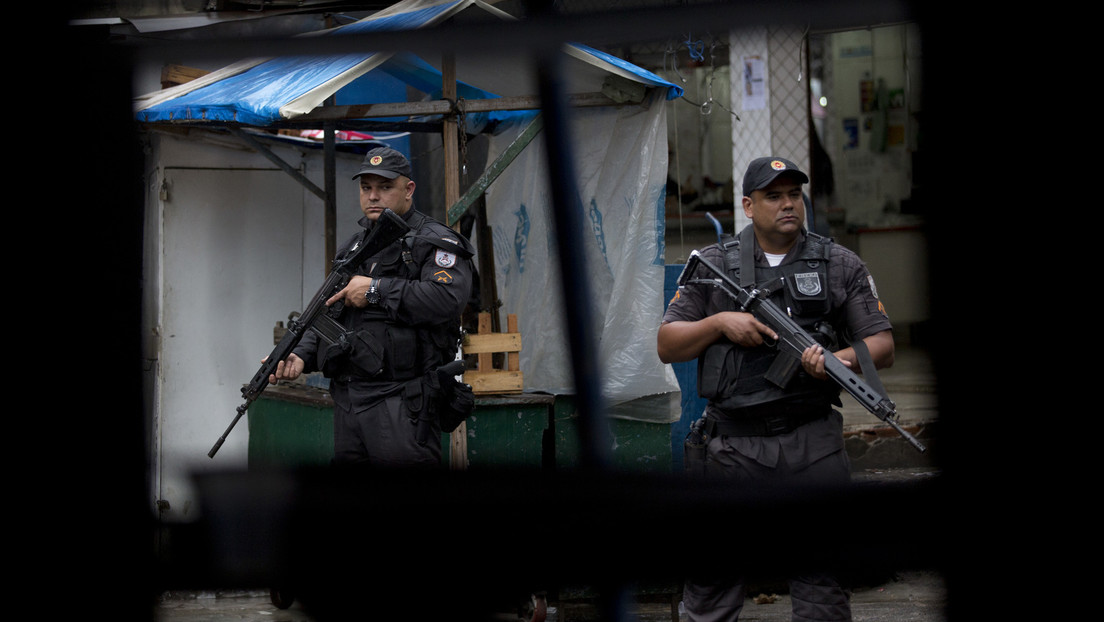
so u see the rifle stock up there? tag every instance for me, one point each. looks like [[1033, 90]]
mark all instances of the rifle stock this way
[[317, 316], [793, 340]]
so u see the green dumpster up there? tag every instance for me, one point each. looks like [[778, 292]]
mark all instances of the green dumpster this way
[[636, 446], [291, 425]]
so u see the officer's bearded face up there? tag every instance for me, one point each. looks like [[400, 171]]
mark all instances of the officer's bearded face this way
[[378, 193]]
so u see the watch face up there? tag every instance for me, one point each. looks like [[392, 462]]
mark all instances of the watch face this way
[[373, 296]]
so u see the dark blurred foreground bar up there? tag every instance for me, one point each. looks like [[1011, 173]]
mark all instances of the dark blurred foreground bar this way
[[458, 543]]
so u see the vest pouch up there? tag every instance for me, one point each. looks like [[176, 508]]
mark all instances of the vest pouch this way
[[807, 292], [444, 340], [729, 376], [402, 352], [367, 353], [455, 402], [416, 398], [390, 260], [331, 357], [717, 369]]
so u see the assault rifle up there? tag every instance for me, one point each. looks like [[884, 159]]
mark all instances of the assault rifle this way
[[793, 340], [317, 316]]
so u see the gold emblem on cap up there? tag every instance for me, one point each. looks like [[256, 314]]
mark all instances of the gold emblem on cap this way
[[376, 160], [778, 165]]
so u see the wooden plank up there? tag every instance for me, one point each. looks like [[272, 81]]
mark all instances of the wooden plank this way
[[450, 134], [485, 379], [442, 107], [494, 382], [488, 291], [458, 455], [491, 342], [173, 75], [484, 360], [512, 363]]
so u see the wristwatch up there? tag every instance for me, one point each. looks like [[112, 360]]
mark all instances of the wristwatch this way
[[372, 295]]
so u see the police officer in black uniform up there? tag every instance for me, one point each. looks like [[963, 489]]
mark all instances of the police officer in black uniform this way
[[403, 312], [756, 430]]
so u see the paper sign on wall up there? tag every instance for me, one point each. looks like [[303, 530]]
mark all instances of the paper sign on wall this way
[[755, 83]]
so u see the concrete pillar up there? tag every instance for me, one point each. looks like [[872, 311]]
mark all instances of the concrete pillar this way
[[770, 96]]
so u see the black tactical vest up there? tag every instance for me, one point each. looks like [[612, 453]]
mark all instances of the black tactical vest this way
[[734, 378], [383, 350]]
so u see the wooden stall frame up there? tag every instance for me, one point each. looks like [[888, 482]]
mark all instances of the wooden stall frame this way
[[485, 379]]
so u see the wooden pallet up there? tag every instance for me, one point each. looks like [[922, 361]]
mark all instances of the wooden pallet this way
[[485, 379]]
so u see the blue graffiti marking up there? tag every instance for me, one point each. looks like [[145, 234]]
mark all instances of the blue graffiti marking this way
[[596, 225], [521, 236], [661, 229]]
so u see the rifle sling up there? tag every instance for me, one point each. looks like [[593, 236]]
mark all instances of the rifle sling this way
[[866, 366], [747, 258]]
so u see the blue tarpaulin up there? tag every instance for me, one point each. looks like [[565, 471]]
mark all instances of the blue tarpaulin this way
[[263, 92]]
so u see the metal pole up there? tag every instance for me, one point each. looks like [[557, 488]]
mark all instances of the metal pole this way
[[567, 212]]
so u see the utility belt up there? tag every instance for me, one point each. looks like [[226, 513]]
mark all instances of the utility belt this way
[[351, 373], [379, 351], [766, 420], [435, 397]]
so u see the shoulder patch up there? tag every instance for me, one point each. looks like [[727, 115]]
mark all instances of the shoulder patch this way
[[870, 281], [874, 291], [444, 259]]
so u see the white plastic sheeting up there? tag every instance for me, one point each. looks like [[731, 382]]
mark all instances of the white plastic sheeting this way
[[620, 158]]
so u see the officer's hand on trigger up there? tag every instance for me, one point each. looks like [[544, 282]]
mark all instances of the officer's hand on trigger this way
[[353, 293], [743, 329]]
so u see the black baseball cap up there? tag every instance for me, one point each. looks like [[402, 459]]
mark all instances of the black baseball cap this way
[[385, 162], [762, 171]]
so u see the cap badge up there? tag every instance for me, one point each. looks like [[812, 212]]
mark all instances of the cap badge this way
[[376, 160], [778, 165]]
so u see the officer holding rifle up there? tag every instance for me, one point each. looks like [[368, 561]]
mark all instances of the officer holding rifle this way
[[758, 431], [402, 314]]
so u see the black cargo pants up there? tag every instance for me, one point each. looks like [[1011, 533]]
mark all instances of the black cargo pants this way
[[815, 596]]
